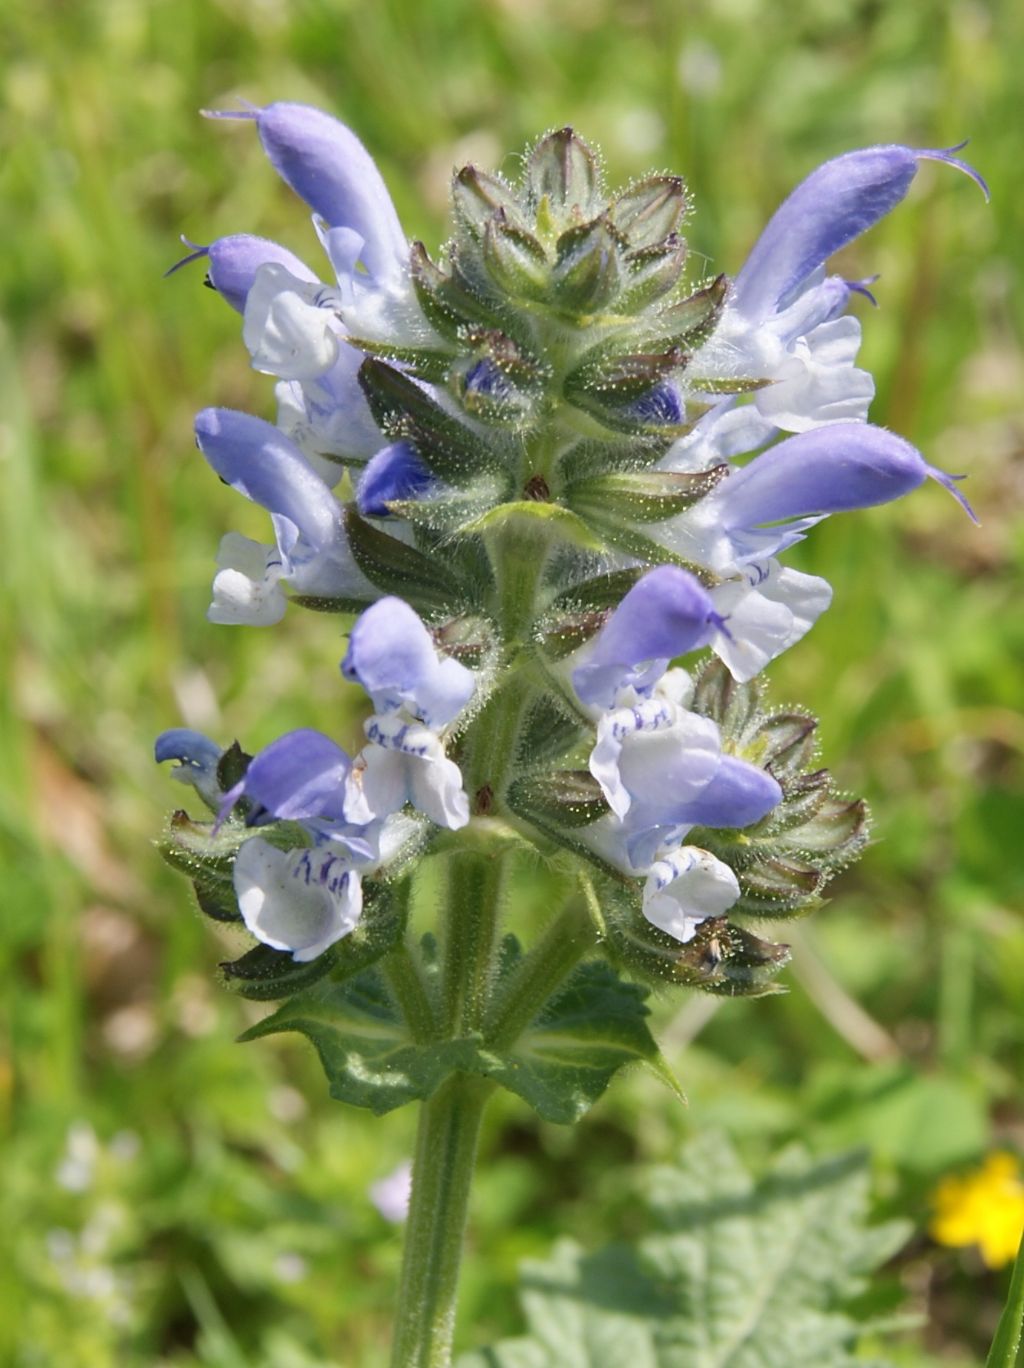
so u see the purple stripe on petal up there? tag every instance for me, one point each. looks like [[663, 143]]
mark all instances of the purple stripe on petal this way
[[326, 164], [395, 472], [259, 461], [301, 774]]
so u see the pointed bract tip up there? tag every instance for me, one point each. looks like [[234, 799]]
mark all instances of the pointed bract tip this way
[[224, 811], [946, 155], [949, 482]]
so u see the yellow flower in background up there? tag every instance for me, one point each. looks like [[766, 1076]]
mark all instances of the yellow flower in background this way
[[985, 1208]]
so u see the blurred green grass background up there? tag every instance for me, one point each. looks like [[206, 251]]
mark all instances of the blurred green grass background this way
[[170, 1198]]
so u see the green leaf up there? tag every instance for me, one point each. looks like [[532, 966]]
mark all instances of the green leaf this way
[[514, 259], [425, 362], [560, 1065], [1005, 1351], [692, 321], [266, 975], [635, 496], [548, 732], [208, 860], [571, 798], [477, 197], [721, 958], [588, 270], [567, 1058], [584, 1311], [653, 273], [625, 537], [530, 514], [601, 594], [330, 603], [397, 568], [231, 766], [452, 451], [448, 306], [734, 1273]]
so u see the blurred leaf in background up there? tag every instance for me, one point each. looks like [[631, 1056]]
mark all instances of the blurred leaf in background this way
[[222, 1218]]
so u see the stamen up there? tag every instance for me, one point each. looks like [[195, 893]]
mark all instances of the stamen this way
[[948, 482], [251, 112], [861, 287], [946, 155], [194, 255]]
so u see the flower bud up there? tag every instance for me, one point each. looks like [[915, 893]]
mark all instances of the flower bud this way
[[563, 170], [786, 860], [640, 496], [720, 957], [587, 272], [692, 321], [562, 798], [447, 305], [514, 259], [651, 273], [650, 210], [192, 849], [477, 197]]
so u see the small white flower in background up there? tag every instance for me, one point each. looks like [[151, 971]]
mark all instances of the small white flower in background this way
[[390, 1195], [77, 1169], [290, 1267]]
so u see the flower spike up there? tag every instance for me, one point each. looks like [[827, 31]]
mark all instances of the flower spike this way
[[580, 464]]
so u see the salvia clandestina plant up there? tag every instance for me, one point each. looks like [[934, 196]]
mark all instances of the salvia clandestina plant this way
[[533, 473]]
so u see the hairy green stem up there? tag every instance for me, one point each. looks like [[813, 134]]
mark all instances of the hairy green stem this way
[[405, 980], [450, 1121], [519, 553], [523, 995], [470, 927], [446, 1142], [494, 740]]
